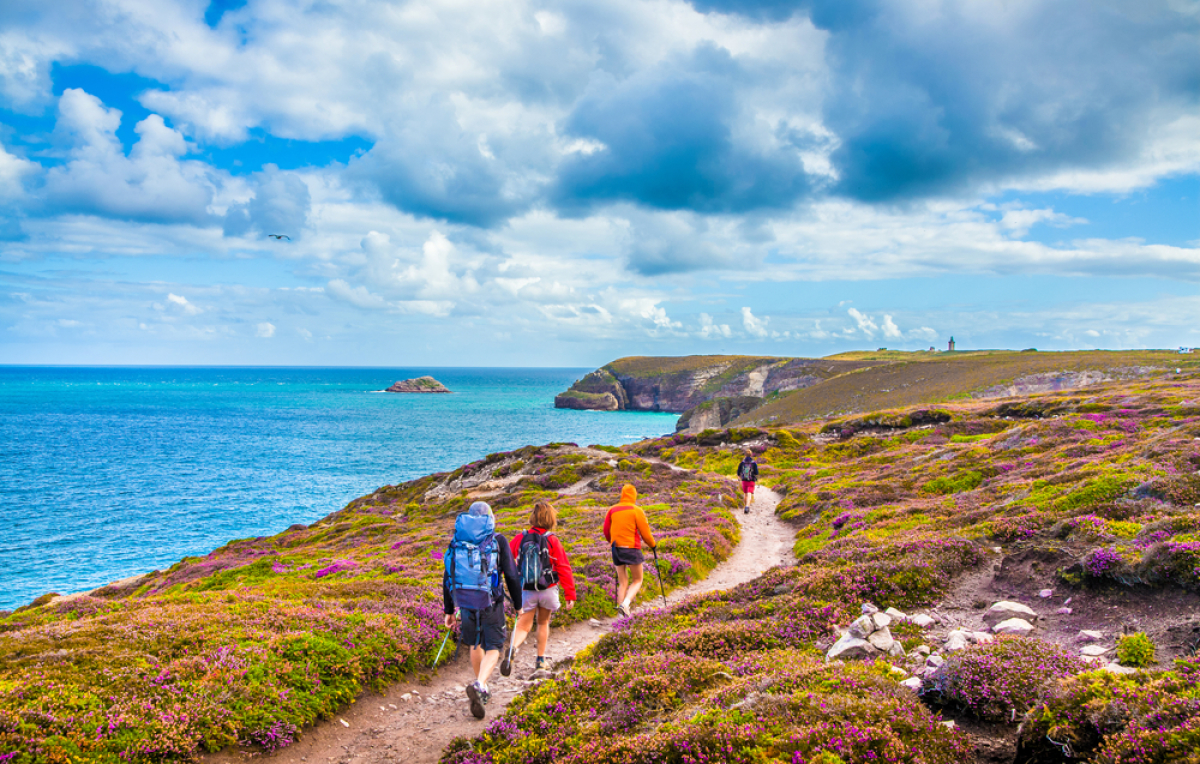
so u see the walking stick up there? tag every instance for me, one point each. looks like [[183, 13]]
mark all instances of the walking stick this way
[[659, 572], [443, 647]]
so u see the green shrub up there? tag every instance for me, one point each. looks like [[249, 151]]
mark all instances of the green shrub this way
[[1135, 650]]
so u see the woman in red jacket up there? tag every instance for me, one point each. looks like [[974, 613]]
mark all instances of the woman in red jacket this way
[[539, 596]]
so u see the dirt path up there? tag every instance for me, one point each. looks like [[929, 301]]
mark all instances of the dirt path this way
[[413, 723]]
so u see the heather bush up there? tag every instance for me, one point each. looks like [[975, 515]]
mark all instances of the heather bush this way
[[1000, 681], [1135, 650]]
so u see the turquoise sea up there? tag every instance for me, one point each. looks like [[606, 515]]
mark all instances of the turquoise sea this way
[[110, 472]]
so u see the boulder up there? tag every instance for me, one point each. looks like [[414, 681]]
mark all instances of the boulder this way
[[913, 683], [896, 615], [896, 650], [862, 627], [957, 640], [922, 650], [922, 620], [1004, 610], [869, 609], [882, 639], [934, 662], [1018, 626], [982, 638], [882, 620], [850, 647]]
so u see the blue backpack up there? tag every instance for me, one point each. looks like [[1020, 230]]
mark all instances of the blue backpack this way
[[473, 562]]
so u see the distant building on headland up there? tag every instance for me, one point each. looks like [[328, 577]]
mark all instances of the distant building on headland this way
[[1186, 351], [950, 347]]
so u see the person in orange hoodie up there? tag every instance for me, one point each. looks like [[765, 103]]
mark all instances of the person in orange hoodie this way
[[625, 526]]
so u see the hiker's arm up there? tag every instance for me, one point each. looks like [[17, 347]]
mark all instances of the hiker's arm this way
[[562, 566], [643, 527], [509, 568], [608, 526]]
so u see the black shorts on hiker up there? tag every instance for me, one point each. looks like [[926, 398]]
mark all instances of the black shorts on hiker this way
[[623, 555], [484, 627]]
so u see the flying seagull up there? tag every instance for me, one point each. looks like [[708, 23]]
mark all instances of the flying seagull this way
[[278, 236]]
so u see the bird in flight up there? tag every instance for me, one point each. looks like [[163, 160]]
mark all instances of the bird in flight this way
[[278, 236]]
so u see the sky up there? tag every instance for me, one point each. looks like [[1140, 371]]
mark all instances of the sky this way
[[481, 183]]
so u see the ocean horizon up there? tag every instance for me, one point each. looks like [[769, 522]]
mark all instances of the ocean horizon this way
[[113, 471]]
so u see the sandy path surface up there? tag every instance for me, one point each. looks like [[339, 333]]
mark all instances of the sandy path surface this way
[[413, 722]]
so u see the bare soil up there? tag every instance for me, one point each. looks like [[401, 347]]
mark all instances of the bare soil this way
[[414, 720]]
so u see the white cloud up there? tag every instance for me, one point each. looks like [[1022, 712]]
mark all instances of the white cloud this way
[[890, 330], [265, 330], [183, 304], [753, 325], [709, 329], [865, 323]]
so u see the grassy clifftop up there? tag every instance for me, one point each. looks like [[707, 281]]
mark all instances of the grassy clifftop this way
[[263, 636], [1089, 495]]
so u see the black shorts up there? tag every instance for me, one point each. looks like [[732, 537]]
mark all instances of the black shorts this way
[[484, 628], [623, 555]]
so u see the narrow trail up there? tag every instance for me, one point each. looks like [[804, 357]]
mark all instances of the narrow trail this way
[[413, 722]]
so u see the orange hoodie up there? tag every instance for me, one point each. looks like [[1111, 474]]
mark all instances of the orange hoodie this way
[[625, 524]]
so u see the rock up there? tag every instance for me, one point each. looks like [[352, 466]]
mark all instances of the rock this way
[[882, 639], [1117, 668], [896, 650], [862, 627], [934, 662], [418, 385], [869, 609], [344, 722], [982, 638], [898, 671], [913, 683], [882, 620], [406, 696], [896, 615], [1094, 650], [594, 622], [1063, 611], [850, 647], [782, 589], [1046, 593], [1089, 636], [922, 650], [957, 640], [922, 620], [949, 724], [1004, 610], [1017, 626]]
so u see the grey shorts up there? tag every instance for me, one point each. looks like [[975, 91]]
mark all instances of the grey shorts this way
[[547, 599], [622, 555]]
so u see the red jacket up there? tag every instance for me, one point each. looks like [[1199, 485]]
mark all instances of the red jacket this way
[[557, 554]]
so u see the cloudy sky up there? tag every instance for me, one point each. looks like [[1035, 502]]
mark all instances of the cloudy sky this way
[[471, 182]]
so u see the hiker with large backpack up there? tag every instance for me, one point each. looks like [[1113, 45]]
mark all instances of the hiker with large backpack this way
[[475, 562], [542, 566], [625, 527], [747, 471]]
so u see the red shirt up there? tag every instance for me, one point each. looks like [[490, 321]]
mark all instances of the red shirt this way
[[557, 554]]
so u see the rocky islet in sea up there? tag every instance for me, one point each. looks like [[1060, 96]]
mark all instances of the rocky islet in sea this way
[[424, 384]]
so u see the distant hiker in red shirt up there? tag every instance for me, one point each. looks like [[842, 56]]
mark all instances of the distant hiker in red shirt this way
[[748, 472], [542, 565], [625, 526]]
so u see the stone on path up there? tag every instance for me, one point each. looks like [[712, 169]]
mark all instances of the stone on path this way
[[1093, 650], [1018, 626], [922, 620], [1004, 610], [1046, 593], [1087, 635]]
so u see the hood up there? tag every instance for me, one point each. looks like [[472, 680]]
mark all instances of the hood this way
[[628, 494]]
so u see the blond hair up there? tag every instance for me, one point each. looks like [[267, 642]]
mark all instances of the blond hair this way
[[543, 516]]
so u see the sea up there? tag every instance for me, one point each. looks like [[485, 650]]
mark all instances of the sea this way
[[110, 472]]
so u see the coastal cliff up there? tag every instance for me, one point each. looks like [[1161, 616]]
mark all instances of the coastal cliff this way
[[723, 387]]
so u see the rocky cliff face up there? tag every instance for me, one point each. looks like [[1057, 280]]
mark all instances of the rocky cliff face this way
[[734, 384]]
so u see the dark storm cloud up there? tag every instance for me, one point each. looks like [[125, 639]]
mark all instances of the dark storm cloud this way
[[668, 143]]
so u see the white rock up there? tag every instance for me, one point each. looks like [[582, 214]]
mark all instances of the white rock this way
[[1046, 593], [882, 620], [882, 639], [1087, 635], [406, 696], [1018, 626], [897, 615], [934, 662], [1004, 610], [913, 683], [956, 641], [1063, 611], [950, 724], [862, 627], [869, 609], [897, 671], [922, 620], [922, 650], [982, 638], [344, 722], [1117, 668], [1093, 650], [850, 647], [997, 549], [594, 622]]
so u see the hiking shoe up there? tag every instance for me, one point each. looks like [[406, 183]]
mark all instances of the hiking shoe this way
[[747, 510], [623, 609], [478, 696], [506, 661], [541, 663]]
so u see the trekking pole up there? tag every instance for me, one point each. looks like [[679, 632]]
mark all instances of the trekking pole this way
[[659, 572], [443, 647]]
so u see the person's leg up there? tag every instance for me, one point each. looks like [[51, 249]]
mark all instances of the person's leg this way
[[543, 635], [523, 627], [476, 659], [635, 583], [622, 582], [487, 664]]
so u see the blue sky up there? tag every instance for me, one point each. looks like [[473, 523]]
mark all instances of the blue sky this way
[[531, 183]]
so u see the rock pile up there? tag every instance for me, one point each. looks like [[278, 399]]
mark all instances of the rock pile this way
[[870, 635]]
